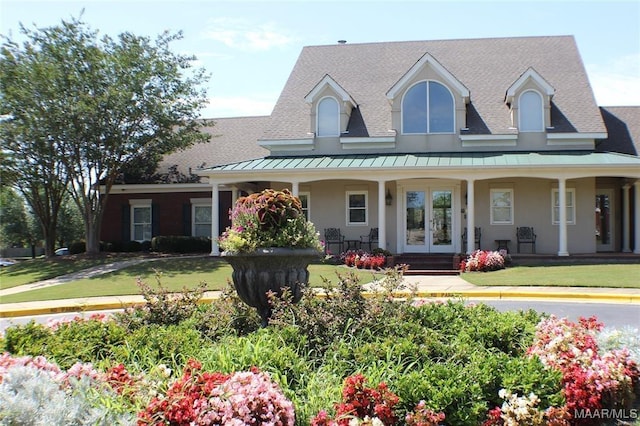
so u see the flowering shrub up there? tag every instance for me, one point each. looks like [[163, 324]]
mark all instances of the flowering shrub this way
[[521, 410], [204, 398], [35, 391], [591, 380], [484, 261], [422, 416], [363, 260], [268, 219], [362, 404]]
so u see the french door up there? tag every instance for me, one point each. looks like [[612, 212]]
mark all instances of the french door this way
[[604, 223], [428, 220]]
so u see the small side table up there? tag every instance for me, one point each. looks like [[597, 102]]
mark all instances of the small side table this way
[[352, 244], [503, 245]]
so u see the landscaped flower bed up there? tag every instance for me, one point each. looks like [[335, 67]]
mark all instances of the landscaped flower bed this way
[[362, 260], [338, 360], [485, 261]]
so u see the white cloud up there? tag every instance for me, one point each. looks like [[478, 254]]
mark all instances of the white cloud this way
[[245, 35], [616, 83], [236, 106]]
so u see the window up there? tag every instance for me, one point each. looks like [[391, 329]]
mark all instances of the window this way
[[502, 206], [201, 221], [328, 117], [141, 220], [428, 107], [530, 112], [571, 211], [356, 207], [304, 199]]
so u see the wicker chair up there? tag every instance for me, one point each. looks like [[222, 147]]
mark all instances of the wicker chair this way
[[526, 235], [333, 236], [370, 238]]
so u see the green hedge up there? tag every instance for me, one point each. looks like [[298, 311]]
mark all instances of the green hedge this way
[[181, 244]]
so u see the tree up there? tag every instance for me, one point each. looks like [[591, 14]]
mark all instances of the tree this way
[[18, 227], [99, 103]]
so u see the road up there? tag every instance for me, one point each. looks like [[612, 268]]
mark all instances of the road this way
[[614, 315]]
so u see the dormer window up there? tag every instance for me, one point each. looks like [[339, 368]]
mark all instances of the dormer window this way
[[428, 107], [531, 112], [529, 100], [328, 117]]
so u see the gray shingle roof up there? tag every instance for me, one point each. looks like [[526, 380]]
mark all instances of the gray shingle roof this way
[[487, 67], [232, 140], [623, 128]]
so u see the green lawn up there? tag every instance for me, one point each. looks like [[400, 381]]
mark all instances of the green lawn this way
[[175, 274], [40, 269], [612, 275]]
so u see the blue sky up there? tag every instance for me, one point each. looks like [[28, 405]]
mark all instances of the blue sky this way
[[250, 47]]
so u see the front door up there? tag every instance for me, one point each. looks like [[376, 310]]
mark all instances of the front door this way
[[604, 215], [429, 220]]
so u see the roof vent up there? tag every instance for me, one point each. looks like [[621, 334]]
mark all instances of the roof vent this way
[[342, 41]]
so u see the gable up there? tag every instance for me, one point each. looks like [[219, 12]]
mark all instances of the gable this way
[[487, 68]]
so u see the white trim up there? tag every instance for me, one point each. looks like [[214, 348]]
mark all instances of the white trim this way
[[336, 128], [357, 143], [328, 81], [365, 207], [149, 188], [488, 137], [491, 206], [287, 144], [571, 220], [140, 202], [308, 195], [540, 125], [442, 71], [195, 203], [577, 135], [536, 77], [428, 115], [489, 142]]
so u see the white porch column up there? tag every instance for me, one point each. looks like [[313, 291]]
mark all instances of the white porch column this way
[[636, 217], [295, 188], [626, 219], [382, 216], [215, 218], [562, 226], [471, 217]]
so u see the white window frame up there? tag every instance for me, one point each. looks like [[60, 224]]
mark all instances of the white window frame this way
[[529, 112], [571, 206], [306, 210], [491, 206], [195, 203], [428, 117], [349, 208], [335, 130], [140, 204]]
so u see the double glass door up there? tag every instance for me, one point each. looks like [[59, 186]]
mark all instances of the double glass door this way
[[429, 220]]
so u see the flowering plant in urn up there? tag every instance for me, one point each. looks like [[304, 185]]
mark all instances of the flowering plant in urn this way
[[269, 245], [269, 219]]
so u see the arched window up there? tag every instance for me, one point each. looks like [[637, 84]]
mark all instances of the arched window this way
[[530, 116], [428, 107], [328, 117]]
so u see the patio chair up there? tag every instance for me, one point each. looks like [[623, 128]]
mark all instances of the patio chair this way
[[370, 238], [333, 236], [478, 237], [526, 235]]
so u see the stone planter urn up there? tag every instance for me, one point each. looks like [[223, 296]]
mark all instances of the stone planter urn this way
[[265, 270]]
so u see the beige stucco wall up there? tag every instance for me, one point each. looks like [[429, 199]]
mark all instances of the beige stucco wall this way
[[532, 207]]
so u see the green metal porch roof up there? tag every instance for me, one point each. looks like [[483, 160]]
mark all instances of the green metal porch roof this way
[[431, 160]]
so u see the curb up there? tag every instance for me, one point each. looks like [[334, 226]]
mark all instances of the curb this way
[[469, 294]]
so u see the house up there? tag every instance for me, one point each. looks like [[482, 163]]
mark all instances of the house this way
[[428, 141]]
